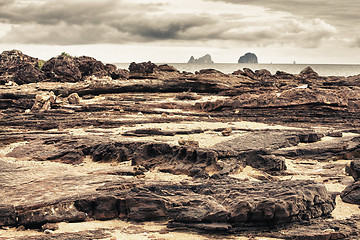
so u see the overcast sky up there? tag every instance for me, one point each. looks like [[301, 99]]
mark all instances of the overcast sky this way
[[278, 31]]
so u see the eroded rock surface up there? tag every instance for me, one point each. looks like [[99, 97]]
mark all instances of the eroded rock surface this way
[[219, 152]]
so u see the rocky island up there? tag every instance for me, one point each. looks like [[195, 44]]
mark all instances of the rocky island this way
[[202, 60], [90, 151], [248, 58]]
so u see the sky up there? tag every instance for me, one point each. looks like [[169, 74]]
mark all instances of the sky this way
[[170, 31]]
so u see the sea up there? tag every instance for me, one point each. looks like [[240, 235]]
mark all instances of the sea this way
[[321, 69]]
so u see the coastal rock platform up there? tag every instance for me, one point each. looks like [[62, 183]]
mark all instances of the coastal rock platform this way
[[155, 153]]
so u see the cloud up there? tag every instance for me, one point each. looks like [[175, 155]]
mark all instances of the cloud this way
[[335, 11], [75, 22]]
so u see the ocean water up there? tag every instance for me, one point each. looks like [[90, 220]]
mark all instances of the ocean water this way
[[322, 69]]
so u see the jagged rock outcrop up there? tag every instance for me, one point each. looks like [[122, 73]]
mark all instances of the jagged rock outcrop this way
[[62, 68], [248, 58], [206, 59], [89, 66], [65, 68], [19, 68]]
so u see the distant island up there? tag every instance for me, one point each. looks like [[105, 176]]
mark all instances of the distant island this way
[[248, 58], [204, 59]]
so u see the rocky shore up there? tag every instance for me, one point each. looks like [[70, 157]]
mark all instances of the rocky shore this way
[[90, 151]]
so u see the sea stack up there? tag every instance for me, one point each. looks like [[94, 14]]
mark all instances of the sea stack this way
[[248, 58], [202, 60]]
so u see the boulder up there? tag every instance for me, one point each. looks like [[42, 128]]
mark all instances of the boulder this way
[[308, 72], [62, 68], [20, 68], [142, 68], [27, 73], [43, 102], [74, 98], [354, 169], [89, 66], [65, 68], [167, 68], [116, 73], [351, 194]]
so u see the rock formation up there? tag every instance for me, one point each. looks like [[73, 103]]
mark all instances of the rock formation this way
[[19, 68], [248, 58], [225, 153], [206, 59]]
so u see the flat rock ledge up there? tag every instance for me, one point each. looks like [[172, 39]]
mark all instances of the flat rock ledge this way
[[224, 204]]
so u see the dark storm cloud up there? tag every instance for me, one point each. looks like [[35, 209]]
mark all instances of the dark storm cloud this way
[[71, 22], [81, 22]]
